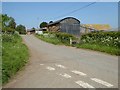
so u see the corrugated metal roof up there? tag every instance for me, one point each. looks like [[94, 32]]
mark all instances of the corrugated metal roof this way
[[56, 22]]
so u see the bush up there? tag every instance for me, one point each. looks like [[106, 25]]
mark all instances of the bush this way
[[102, 38], [57, 37], [45, 31], [65, 37]]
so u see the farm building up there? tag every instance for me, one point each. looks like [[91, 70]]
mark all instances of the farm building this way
[[86, 28], [39, 31], [30, 31], [68, 25]]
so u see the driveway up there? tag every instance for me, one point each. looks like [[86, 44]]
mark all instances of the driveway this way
[[56, 66]]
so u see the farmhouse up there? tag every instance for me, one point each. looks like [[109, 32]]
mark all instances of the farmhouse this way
[[68, 25]]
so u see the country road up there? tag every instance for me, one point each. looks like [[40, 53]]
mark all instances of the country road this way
[[57, 66]]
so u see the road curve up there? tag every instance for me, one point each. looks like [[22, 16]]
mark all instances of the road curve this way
[[56, 66]]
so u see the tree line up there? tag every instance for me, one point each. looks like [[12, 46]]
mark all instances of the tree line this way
[[9, 25]]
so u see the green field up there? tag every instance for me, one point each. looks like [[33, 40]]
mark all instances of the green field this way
[[14, 55]]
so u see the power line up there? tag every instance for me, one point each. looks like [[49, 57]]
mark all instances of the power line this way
[[76, 10]]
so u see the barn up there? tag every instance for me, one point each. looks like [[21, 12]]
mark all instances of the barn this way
[[69, 25], [30, 31]]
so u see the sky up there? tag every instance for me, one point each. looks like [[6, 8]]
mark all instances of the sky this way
[[31, 14]]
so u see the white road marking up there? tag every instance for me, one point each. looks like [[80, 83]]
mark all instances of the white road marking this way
[[50, 68], [84, 85], [65, 75], [102, 82], [41, 64], [61, 66], [79, 73]]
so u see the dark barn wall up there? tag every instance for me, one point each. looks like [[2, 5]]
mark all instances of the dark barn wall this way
[[68, 25], [71, 26]]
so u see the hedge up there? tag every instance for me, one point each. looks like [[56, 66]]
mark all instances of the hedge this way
[[102, 38]]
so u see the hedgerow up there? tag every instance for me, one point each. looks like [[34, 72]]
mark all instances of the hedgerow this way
[[102, 38]]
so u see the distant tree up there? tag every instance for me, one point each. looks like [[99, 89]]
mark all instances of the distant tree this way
[[12, 24], [8, 23], [43, 24], [21, 29], [33, 28], [5, 20], [51, 22]]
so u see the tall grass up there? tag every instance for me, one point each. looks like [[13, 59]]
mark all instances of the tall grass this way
[[14, 55]]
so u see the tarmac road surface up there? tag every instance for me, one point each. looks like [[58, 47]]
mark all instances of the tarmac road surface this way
[[57, 66]]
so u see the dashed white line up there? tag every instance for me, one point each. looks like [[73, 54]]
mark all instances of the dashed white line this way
[[79, 73], [41, 64], [65, 75], [84, 85], [50, 68], [102, 82], [61, 66]]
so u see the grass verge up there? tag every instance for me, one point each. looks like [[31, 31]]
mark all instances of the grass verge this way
[[52, 40], [95, 47], [14, 55]]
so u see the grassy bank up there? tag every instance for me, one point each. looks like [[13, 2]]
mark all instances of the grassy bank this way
[[57, 38], [14, 55], [52, 40], [0, 60], [107, 42], [96, 47]]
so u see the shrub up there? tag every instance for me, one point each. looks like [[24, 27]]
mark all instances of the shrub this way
[[65, 37], [57, 37], [102, 38]]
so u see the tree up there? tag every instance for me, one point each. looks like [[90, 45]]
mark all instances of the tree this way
[[33, 28], [5, 20], [8, 23], [51, 22], [12, 24], [43, 24], [21, 29]]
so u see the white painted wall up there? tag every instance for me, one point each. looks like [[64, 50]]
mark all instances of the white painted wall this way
[[39, 32]]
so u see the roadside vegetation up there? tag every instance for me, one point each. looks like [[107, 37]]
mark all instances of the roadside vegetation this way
[[107, 42], [56, 38], [14, 55], [14, 52], [101, 41]]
